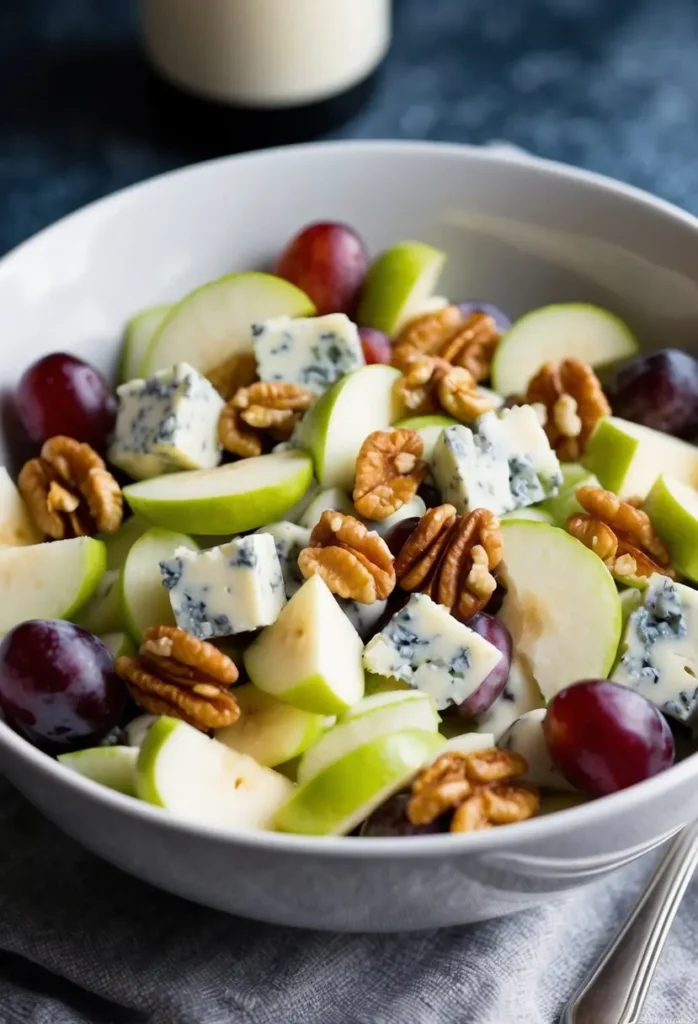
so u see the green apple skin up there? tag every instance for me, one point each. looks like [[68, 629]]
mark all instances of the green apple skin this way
[[333, 432], [397, 283], [627, 458], [562, 606], [140, 331], [556, 332], [114, 767], [175, 501], [534, 513], [269, 730], [213, 322], [103, 612], [673, 510], [144, 600], [339, 798], [382, 684], [565, 503], [120, 543]]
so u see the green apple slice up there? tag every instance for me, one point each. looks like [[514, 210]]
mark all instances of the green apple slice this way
[[201, 779], [561, 607], [230, 499], [382, 684], [552, 333], [311, 656], [120, 543], [49, 581], [114, 767], [145, 601], [565, 503], [340, 421], [338, 798], [119, 645], [139, 333], [398, 283], [332, 498], [627, 458], [429, 429], [630, 601], [534, 513], [269, 730], [673, 508], [213, 322], [103, 612], [370, 719], [16, 526]]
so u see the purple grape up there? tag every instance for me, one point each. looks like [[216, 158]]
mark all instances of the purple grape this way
[[496, 633], [390, 819], [501, 319], [397, 535], [659, 391], [429, 495]]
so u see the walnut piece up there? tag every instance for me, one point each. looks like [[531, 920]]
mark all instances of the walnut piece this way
[[574, 401], [430, 385], [389, 469], [263, 408], [235, 372], [176, 674], [354, 562], [477, 787], [468, 341], [620, 533], [69, 491], [452, 558]]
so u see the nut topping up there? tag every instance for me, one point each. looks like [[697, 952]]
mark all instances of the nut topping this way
[[389, 470], [235, 372], [620, 533], [354, 562], [69, 491], [260, 409], [451, 558], [176, 674], [466, 341], [430, 385], [574, 401], [477, 787]]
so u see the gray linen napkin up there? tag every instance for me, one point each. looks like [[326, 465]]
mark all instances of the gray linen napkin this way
[[82, 943]]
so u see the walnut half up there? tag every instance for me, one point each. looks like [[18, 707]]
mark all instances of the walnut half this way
[[353, 561], [389, 469]]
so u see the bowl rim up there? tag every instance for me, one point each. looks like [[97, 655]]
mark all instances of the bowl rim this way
[[584, 815]]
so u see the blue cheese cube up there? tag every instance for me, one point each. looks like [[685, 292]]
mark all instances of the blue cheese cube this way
[[424, 646], [313, 352], [230, 589], [290, 539], [659, 651], [505, 462], [166, 423]]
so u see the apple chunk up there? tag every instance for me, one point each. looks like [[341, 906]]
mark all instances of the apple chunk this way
[[561, 608], [269, 730], [627, 458], [16, 526], [673, 508], [230, 499], [398, 283]]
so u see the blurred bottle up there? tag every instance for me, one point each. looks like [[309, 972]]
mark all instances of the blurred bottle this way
[[238, 74]]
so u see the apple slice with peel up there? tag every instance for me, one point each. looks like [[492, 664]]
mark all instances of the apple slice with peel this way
[[269, 730], [120, 543], [339, 797], [561, 607], [16, 526], [138, 335], [534, 513], [182, 770], [103, 613], [119, 645], [311, 656], [673, 508], [627, 458], [565, 503], [552, 333], [398, 283], [230, 499], [49, 581], [429, 429], [340, 421], [213, 322], [332, 498], [371, 718], [145, 602], [114, 767]]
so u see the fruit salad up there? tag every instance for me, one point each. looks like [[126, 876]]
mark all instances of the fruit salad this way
[[339, 556]]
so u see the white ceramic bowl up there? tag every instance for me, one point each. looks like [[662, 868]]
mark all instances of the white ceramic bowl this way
[[519, 233]]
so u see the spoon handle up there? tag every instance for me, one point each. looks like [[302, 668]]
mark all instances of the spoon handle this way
[[615, 990]]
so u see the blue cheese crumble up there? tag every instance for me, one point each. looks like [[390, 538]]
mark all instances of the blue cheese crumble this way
[[424, 646], [659, 655], [166, 423], [313, 352], [234, 588]]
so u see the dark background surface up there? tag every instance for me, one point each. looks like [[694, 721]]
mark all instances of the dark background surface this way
[[611, 85]]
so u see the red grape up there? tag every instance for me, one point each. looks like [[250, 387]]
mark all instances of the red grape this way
[[58, 687], [496, 633], [659, 391], [397, 535], [429, 495], [604, 737], [328, 262], [390, 819], [60, 394], [376, 345], [501, 319]]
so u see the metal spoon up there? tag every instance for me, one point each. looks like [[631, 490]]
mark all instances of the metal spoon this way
[[616, 989]]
